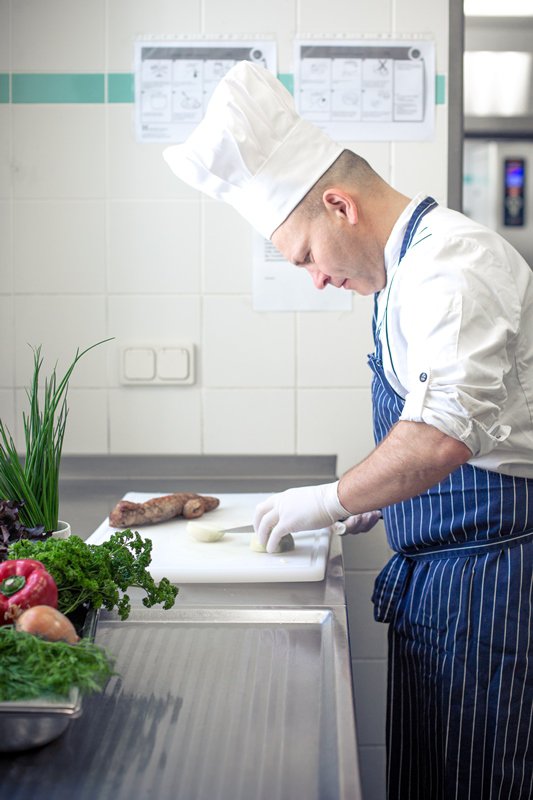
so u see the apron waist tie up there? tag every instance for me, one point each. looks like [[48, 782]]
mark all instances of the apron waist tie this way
[[392, 581]]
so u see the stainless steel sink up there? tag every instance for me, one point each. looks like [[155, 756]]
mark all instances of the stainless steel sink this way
[[228, 703], [240, 703]]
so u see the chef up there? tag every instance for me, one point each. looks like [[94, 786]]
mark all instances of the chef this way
[[452, 392]]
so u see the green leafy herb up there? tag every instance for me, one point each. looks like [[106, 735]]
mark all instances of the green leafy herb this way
[[31, 667], [99, 574], [35, 479]]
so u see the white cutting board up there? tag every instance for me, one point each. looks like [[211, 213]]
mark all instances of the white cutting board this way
[[181, 559]]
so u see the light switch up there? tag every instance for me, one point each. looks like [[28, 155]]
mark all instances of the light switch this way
[[173, 364], [157, 363], [138, 364]]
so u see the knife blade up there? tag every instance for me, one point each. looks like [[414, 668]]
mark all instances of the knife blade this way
[[337, 527], [240, 529]]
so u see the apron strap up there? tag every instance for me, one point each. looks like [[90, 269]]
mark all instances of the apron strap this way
[[428, 204]]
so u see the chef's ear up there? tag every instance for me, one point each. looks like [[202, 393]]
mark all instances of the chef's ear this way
[[341, 204]]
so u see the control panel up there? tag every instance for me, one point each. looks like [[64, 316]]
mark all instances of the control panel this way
[[514, 192]]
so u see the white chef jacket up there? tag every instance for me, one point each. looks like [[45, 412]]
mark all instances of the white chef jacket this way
[[456, 325]]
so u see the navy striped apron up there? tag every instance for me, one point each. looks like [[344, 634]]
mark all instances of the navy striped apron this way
[[458, 596]]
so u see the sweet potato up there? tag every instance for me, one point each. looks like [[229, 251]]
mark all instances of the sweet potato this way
[[161, 509]]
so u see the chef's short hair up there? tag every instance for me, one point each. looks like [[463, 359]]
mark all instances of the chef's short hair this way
[[349, 170]]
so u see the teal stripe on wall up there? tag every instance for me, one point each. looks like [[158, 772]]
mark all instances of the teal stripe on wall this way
[[440, 90], [90, 88], [287, 79], [120, 87], [4, 87], [50, 88]]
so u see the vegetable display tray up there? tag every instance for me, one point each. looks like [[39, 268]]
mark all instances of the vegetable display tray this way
[[25, 724]]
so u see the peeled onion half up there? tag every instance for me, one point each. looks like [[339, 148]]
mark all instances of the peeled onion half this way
[[286, 543], [204, 533]]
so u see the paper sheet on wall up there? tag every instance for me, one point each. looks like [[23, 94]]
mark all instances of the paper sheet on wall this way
[[367, 90], [280, 286], [175, 79]]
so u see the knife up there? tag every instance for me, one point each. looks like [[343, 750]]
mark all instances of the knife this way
[[337, 527], [240, 529]]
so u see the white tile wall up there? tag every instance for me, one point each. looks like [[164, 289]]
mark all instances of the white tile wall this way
[[166, 261], [5, 151], [368, 639], [370, 701], [7, 338], [227, 256], [243, 348], [58, 35], [7, 409], [335, 420], [332, 346], [173, 425], [70, 235], [249, 421], [366, 551], [413, 166], [97, 238], [59, 151], [418, 16], [129, 19], [61, 324], [358, 16], [5, 35], [6, 262], [372, 766], [137, 171], [277, 17], [87, 430]]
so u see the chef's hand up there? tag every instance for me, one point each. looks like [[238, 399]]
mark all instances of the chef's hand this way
[[361, 523], [305, 509]]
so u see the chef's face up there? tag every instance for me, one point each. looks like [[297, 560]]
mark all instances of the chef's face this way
[[334, 248]]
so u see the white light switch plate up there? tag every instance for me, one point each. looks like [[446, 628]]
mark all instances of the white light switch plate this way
[[157, 364]]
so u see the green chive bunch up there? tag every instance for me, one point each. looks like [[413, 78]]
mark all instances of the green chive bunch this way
[[33, 479]]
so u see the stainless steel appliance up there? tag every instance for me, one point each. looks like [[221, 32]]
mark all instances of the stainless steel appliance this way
[[498, 189], [498, 120]]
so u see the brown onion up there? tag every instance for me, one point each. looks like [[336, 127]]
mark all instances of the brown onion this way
[[48, 623]]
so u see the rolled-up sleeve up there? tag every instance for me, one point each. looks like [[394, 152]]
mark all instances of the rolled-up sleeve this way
[[459, 320]]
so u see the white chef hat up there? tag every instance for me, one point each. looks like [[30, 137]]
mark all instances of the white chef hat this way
[[252, 150]]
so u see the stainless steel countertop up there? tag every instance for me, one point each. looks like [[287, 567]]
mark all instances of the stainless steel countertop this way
[[242, 691]]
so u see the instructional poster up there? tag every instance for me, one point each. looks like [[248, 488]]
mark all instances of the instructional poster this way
[[280, 286], [367, 89], [175, 79]]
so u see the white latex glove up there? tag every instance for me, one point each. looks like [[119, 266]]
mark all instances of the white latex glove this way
[[304, 509], [361, 523]]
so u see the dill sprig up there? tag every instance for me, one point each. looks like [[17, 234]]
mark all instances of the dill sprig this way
[[32, 667]]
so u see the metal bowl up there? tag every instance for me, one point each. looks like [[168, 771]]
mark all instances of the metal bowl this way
[[25, 724]]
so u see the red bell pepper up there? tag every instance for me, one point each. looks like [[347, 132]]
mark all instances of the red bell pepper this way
[[24, 582]]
